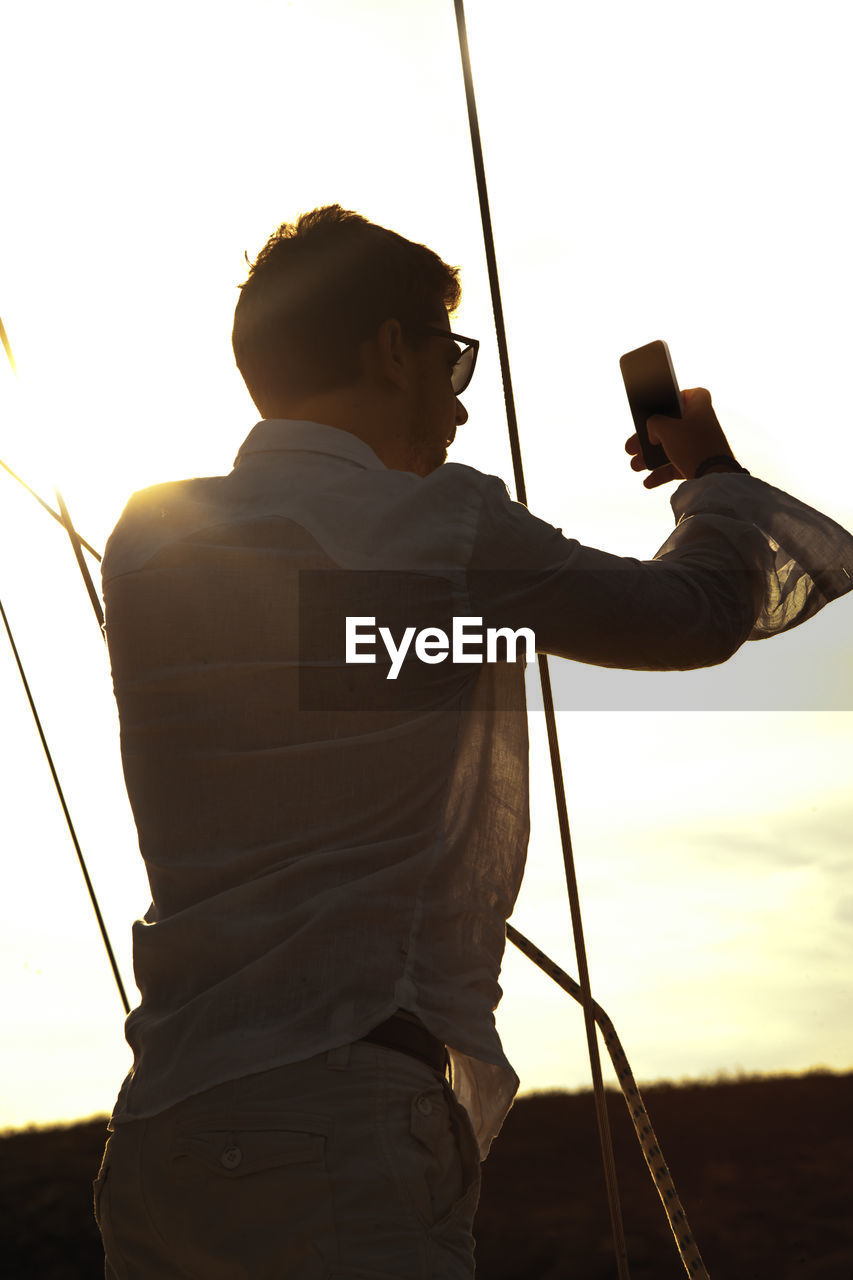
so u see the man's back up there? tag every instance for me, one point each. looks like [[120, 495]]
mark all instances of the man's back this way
[[315, 863]]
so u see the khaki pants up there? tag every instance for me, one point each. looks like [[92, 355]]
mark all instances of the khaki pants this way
[[357, 1164]]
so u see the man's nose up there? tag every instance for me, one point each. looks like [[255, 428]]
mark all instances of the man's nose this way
[[461, 413]]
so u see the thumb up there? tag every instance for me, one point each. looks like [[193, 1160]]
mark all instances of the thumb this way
[[654, 420], [696, 398], [691, 397]]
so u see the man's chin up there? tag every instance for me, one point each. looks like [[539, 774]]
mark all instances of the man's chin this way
[[428, 461]]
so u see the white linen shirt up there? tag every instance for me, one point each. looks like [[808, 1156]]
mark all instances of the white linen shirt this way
[[315, 863]]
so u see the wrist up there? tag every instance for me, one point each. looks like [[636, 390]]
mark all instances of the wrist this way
[[718, 462]]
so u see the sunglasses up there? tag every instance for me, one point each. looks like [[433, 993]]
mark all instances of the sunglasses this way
[[463, 368]]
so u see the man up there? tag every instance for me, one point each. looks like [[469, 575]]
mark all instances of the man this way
[[333, 848]]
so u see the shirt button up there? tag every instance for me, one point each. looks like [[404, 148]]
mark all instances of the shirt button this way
[[424, 1106], [231, 1157]]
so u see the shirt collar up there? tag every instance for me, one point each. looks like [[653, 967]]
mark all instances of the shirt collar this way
[[279, 435]]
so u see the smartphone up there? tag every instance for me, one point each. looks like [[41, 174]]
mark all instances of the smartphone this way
[[651, 386]]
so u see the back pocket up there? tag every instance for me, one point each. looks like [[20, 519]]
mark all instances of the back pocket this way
[[254, 1195], [239, 1153], [250, 1146]]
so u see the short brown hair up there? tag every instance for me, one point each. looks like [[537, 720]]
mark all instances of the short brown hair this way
[[320, 287]]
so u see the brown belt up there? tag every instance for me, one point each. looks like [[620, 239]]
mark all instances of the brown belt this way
[[408, 1037]]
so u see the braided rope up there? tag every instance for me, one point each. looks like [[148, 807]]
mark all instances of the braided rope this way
[[687, 1246]]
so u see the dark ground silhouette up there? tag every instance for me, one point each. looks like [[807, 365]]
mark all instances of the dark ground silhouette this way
[[763, 1166]]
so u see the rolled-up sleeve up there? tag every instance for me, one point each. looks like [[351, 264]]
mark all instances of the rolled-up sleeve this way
[[744, 561], [803, 558]]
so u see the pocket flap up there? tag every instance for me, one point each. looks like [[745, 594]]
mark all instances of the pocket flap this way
[[235, 1153]]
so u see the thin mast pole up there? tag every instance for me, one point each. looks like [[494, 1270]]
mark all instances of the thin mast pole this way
[[56, 783], [544, 675]]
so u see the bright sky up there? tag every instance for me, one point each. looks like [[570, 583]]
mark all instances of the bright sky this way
[[655, 171]]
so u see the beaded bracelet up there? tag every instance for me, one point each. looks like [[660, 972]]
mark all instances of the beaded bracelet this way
[[715, 461]]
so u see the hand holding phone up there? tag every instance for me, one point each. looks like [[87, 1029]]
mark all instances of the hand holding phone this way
[[685, 422]]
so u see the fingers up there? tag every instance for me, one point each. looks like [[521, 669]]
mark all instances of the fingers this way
[[696, 403], [662, 475], [696, 399]]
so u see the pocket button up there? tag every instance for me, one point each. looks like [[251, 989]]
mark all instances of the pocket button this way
[[231, 1157], [424, 1105]]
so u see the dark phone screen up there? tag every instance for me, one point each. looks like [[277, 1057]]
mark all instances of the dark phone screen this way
[[651, 388]]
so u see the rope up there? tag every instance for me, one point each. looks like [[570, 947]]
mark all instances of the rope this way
[[62, 515], [48, 508], [687, 1246], [545, 679], [56, 783], [76, 543]]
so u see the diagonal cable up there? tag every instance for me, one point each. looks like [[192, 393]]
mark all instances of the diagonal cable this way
[[544, 675], [59, 792], [48, 508], [687, 1247], [62, 515], [77, 546]]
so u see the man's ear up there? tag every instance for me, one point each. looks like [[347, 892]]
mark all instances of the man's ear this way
[[393, 354]]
